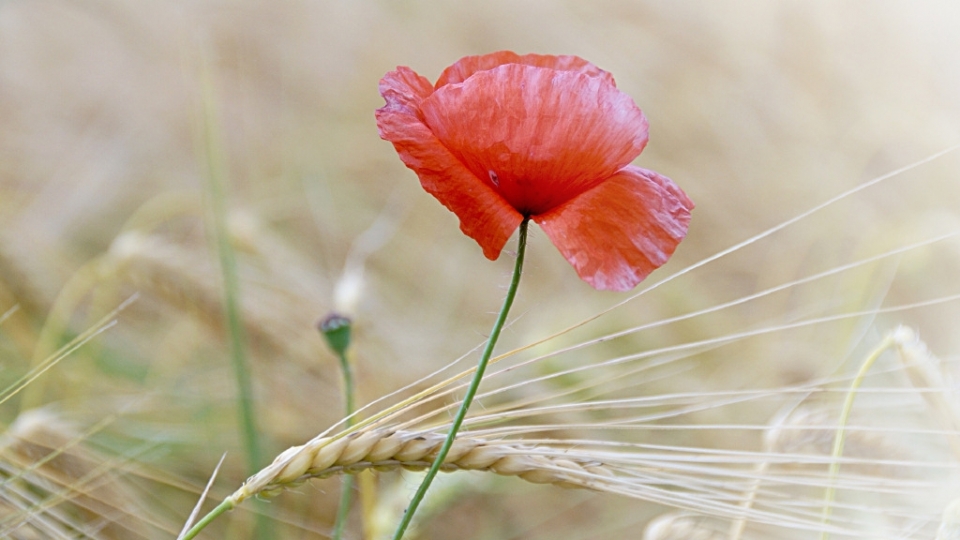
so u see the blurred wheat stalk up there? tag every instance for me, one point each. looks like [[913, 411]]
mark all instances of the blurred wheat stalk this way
[[762, 109]]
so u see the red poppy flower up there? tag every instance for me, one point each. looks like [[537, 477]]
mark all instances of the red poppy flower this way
[[501, 137]]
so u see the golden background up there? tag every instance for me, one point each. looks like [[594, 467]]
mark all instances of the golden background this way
[[759, 110]]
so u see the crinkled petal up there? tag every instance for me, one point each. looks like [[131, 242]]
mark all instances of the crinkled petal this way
[[618, 232], [538, 136], [404, 90], [469, 65], [484, 215]]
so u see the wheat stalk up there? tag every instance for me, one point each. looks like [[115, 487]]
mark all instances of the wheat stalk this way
[[383, 449], [717, 483]]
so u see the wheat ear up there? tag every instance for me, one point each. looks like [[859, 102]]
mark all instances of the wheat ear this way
[[382, 449]]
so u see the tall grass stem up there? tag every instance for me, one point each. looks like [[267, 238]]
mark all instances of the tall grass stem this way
[[216, 196], [216, 178]]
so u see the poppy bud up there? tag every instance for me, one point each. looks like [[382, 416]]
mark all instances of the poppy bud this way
[[336, 330]]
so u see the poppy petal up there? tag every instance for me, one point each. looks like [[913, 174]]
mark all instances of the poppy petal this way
[[404, 90], [538, 136], [484, 216], [469, 65], [618, 232]]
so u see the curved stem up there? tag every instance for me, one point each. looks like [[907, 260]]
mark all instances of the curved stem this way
[[471, 390], [841, 436]]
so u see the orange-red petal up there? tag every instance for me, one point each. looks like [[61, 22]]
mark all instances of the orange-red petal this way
[[537, 136], [404, 90], [469, 65], [484, 215], [618, 232]]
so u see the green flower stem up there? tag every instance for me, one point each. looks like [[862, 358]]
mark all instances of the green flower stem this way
[[346, 489], [471, 390]]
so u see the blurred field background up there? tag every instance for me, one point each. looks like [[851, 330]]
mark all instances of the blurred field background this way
[[759, 110]]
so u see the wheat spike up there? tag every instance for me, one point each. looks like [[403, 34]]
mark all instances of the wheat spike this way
[[386, 449]]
